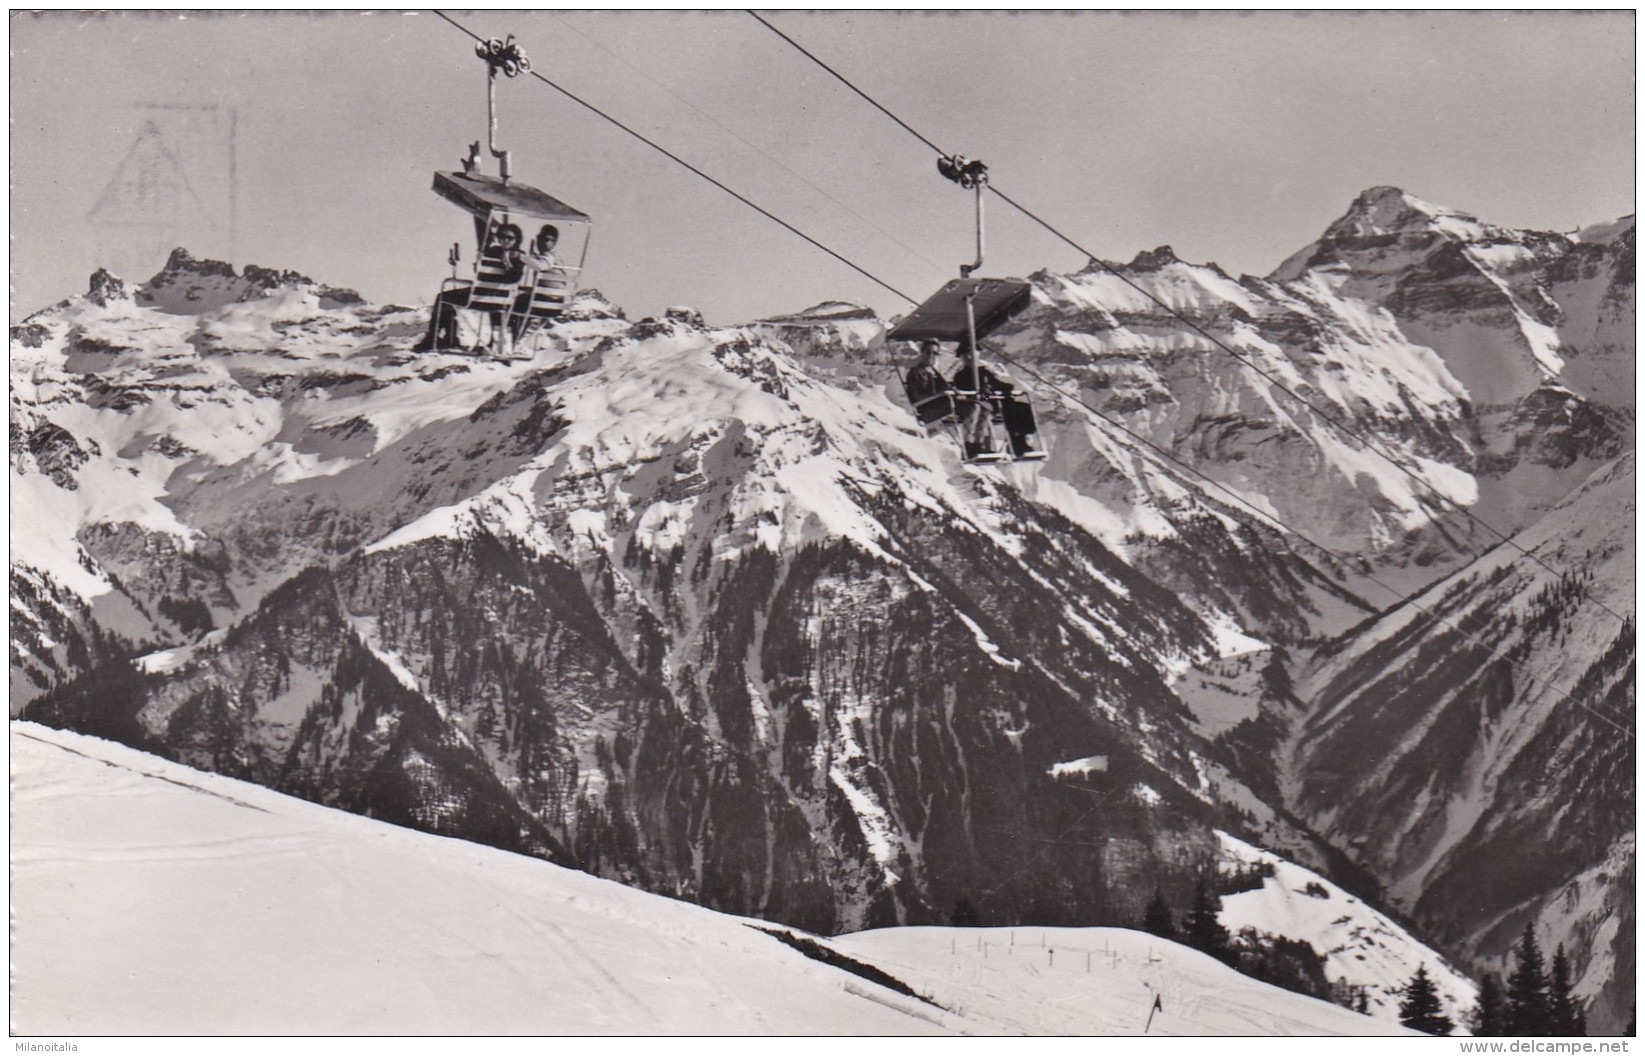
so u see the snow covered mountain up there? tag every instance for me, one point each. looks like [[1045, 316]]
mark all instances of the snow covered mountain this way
[[1499, 719], [1432, 362], [1497, 368], [205, 905], [703, 610]]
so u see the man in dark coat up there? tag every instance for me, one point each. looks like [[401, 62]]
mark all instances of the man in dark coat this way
[[996, 400], [927, 390]]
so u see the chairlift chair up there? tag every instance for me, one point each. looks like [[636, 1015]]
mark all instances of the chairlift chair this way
[[963, 313], [515, 308]]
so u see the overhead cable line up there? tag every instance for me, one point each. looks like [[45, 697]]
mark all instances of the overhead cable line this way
[[752, 146], [1369, 443], [842, 79], [1404, 598], [686, 164]]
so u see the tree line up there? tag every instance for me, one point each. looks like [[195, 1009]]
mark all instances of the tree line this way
[[1537, 1001]]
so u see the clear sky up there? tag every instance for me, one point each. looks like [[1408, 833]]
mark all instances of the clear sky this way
[[1232, 137]]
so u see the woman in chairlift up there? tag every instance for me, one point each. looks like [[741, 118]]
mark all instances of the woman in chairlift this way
[[496, 279]]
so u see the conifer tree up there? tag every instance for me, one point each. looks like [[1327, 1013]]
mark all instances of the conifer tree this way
[[1489, 1018], [1565, 1016], [1203, 931], [1420, 1009], [1157, 918], [1528, 1015]]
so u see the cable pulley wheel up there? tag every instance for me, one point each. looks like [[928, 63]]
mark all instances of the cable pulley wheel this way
[[504, 55]]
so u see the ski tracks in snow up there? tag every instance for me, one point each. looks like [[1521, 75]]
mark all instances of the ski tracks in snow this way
[[614, 995]]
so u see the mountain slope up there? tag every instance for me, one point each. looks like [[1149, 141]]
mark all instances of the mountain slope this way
[[654, 584], [1479, 748], [1496, 365], [1408, 332]]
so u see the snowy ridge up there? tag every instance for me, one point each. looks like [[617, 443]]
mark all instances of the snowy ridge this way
[[1404, 323], [1370, 369]]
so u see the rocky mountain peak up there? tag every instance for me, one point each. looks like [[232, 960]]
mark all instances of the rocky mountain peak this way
[[590, 303], [685, 315], [190, 285], [1382, 211], [106, 288], [182, 262], [1154, 259], [261, 281], [1384, 217]]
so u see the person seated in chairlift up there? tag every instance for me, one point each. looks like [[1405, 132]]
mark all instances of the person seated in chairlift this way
[[978, 388], [544, 295], [541, 255], [504, 247], [928, 391], [924, 380], [992, 397], [500, 268]]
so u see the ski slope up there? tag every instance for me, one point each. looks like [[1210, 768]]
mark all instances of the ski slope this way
[[149, 898], [1028, 980]]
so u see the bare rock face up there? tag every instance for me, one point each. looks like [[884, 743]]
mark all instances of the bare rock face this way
[[105, 288], [686, 316], [1154, 259], [703, 610], [188, 285]]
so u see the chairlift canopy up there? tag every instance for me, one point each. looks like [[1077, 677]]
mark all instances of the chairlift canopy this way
[[480, 195], [943, 317]]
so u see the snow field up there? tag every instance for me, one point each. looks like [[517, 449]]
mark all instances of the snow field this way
[[149, 898], [1100, 981]]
